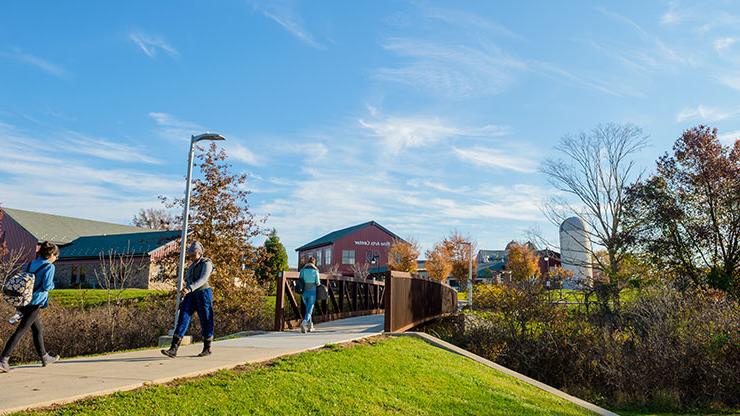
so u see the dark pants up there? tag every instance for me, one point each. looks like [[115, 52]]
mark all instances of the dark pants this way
[[200, 301], [31, 320]]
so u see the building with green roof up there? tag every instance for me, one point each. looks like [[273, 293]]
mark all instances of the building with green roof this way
[[91, 252]]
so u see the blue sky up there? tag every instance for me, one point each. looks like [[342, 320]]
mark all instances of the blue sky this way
[[425, 116]]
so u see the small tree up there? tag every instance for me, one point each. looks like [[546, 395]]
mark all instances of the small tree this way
[[10, 260], [222, 221], [403, 255], [361, 270], [459, 250], [275, 261], [523, 263], [114, 272], [438, 263], [154, 218]]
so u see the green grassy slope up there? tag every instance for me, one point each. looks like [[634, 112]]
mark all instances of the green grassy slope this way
[[391, 376], [94, 297]]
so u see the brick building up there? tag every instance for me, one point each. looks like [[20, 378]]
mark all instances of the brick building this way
[[362, 244], [82, 242]]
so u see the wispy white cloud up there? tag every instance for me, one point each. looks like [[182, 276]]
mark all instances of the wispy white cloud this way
[[240, 153], [672, 16], [172, 128], [176, 129], [451, 71], [65, 184], [555, 71], [399, 133], [730, 80], [723, 44], [504, 159], [151, 45], [729, 139], [36, 61], [706, 113], [461, 19], [74, 142], [285, 14]]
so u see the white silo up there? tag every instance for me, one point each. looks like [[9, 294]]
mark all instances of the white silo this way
[[575, 252]]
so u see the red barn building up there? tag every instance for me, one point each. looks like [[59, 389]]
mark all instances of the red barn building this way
[[362, 244]]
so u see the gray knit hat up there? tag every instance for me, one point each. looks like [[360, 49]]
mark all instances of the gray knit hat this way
[[195, 248]]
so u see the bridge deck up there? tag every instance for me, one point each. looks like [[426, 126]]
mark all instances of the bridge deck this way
[[32, 386]]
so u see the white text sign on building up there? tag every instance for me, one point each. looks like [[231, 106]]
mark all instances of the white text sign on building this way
[[373, 243]]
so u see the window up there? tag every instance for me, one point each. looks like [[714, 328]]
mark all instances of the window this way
[[348, 257], [73, 277], [370, 255], [318, 258], [327, 256]]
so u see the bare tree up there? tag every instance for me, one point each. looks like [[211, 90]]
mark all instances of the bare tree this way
[[154, 218], [360, 270], [597, 169], [10, 259], [10, 263], [113, 274], [333, 270], [116, 270]]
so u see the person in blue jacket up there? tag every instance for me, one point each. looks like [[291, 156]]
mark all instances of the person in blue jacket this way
[[310, 277], [198, 297], [43, 268]]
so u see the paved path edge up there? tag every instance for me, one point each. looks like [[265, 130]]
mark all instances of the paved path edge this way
[[432, 340], [165, 380]]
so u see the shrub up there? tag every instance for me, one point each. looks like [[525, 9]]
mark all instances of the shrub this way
[[114, 327], [668, 349]]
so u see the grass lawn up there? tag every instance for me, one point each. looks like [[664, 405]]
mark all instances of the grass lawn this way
[[691, 413], [387, 376], [95, 297]]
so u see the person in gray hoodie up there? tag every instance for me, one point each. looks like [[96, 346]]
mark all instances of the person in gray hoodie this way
[[198, 297]]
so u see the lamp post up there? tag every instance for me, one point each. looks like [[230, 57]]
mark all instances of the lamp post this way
[[470, 274], [186, 210]]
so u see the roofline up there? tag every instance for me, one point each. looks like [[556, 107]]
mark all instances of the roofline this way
[[310, 246]]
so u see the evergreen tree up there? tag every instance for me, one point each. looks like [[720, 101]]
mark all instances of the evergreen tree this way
[[275, 261]]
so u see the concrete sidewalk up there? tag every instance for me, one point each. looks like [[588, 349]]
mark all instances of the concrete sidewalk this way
[[33, 386]]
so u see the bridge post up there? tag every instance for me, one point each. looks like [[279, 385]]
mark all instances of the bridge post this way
[[388, 312], [279, 302]]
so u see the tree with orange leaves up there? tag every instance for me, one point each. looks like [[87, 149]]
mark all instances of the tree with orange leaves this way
[[402, 255], [522, 262], [438, 263]]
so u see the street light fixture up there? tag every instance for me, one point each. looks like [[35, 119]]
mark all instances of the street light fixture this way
[[186, 210]]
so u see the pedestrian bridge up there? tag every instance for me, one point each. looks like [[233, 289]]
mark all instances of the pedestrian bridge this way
[[405, 300]]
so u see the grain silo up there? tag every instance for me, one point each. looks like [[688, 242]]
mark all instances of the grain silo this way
[[575, 252]]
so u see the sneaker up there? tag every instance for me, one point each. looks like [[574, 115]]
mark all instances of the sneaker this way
[[310, 327], [15, 318], [49, 359], [4, 365], [303, 327]]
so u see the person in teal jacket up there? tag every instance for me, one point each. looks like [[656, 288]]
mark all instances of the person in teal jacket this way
[[310, 277], [43, 268]]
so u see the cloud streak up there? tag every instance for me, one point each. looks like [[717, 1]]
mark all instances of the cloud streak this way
[[706, 113], [400, 133], [455, 72], [152, 45], [35, 61], [497, 159], [284, 13]]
